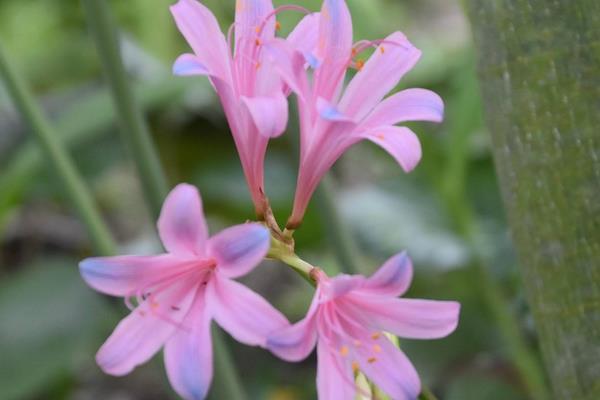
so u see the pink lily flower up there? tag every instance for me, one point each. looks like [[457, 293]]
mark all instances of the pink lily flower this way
[[332, 119], [179, 293], [346, 321], [251, 93]]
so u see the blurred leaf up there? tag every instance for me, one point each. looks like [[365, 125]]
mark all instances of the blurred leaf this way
[[50, 325], [477, 387], [387, 223]]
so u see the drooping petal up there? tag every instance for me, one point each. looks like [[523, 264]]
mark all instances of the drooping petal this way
[[295, 342], [181, 225], [334, 48], [389, 368], [141, 334], [407, 105], [400, 142], [334, 378], [392, 279], [289, 63], [239, 249], [379, 76], [188, 65], [188, 354], [269, 114], [245, 315], [201, 30], [305, 36], [125, 275], [406, 318]]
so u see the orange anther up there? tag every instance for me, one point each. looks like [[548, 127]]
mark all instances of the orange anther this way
[[360, 64], [357, 343], [258, 42], [355, 366], [371, 360], [278, 25], [377, 348], [344, 351], [382, 49], [376, 335]]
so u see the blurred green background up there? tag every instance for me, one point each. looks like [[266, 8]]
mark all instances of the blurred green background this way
[[447, 214]]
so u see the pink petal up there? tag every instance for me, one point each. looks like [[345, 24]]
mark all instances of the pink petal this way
[[126, 275], [249, 15], [289, 63], [269, 114], [334, 378], [400, 142], [188, 354], [295, 342], [247, 317], [392, 279], [201, 30], [140, 335], [407, 105], [379, 76], [181, 225], [341, 285], [188, 65], [406, 318], [305, 36], [389, 368], [239, 249], [328, 111], [334, 48]]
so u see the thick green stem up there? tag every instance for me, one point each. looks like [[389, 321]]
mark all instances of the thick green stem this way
[[538, 66], [133, 125], [59, 158]]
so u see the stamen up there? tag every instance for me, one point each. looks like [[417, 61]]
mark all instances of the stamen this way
[[258, 65], [377, 348], [382, 49], [360, 64], [355, 367], [344, 351], [376, 335], [278, 26], [380, 136], [371, 360], [357, 343], [258, 42], [175, 308], [276, 11]]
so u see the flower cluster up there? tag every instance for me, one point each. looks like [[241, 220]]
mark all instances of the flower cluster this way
[[175, 296]]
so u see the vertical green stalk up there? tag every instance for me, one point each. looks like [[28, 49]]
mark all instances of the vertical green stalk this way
[[58, 157], [135, 132], [133, 125], [338, 234]]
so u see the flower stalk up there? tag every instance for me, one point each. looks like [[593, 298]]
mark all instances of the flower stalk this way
[[134, 129], [57, 155]]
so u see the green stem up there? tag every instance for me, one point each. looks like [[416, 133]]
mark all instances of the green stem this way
[[227, 382], [282, 252], [338, 234], [58, 157], [133, 125], [426, 394]]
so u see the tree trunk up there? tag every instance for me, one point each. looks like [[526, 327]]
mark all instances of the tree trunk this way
[[539, 64]]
